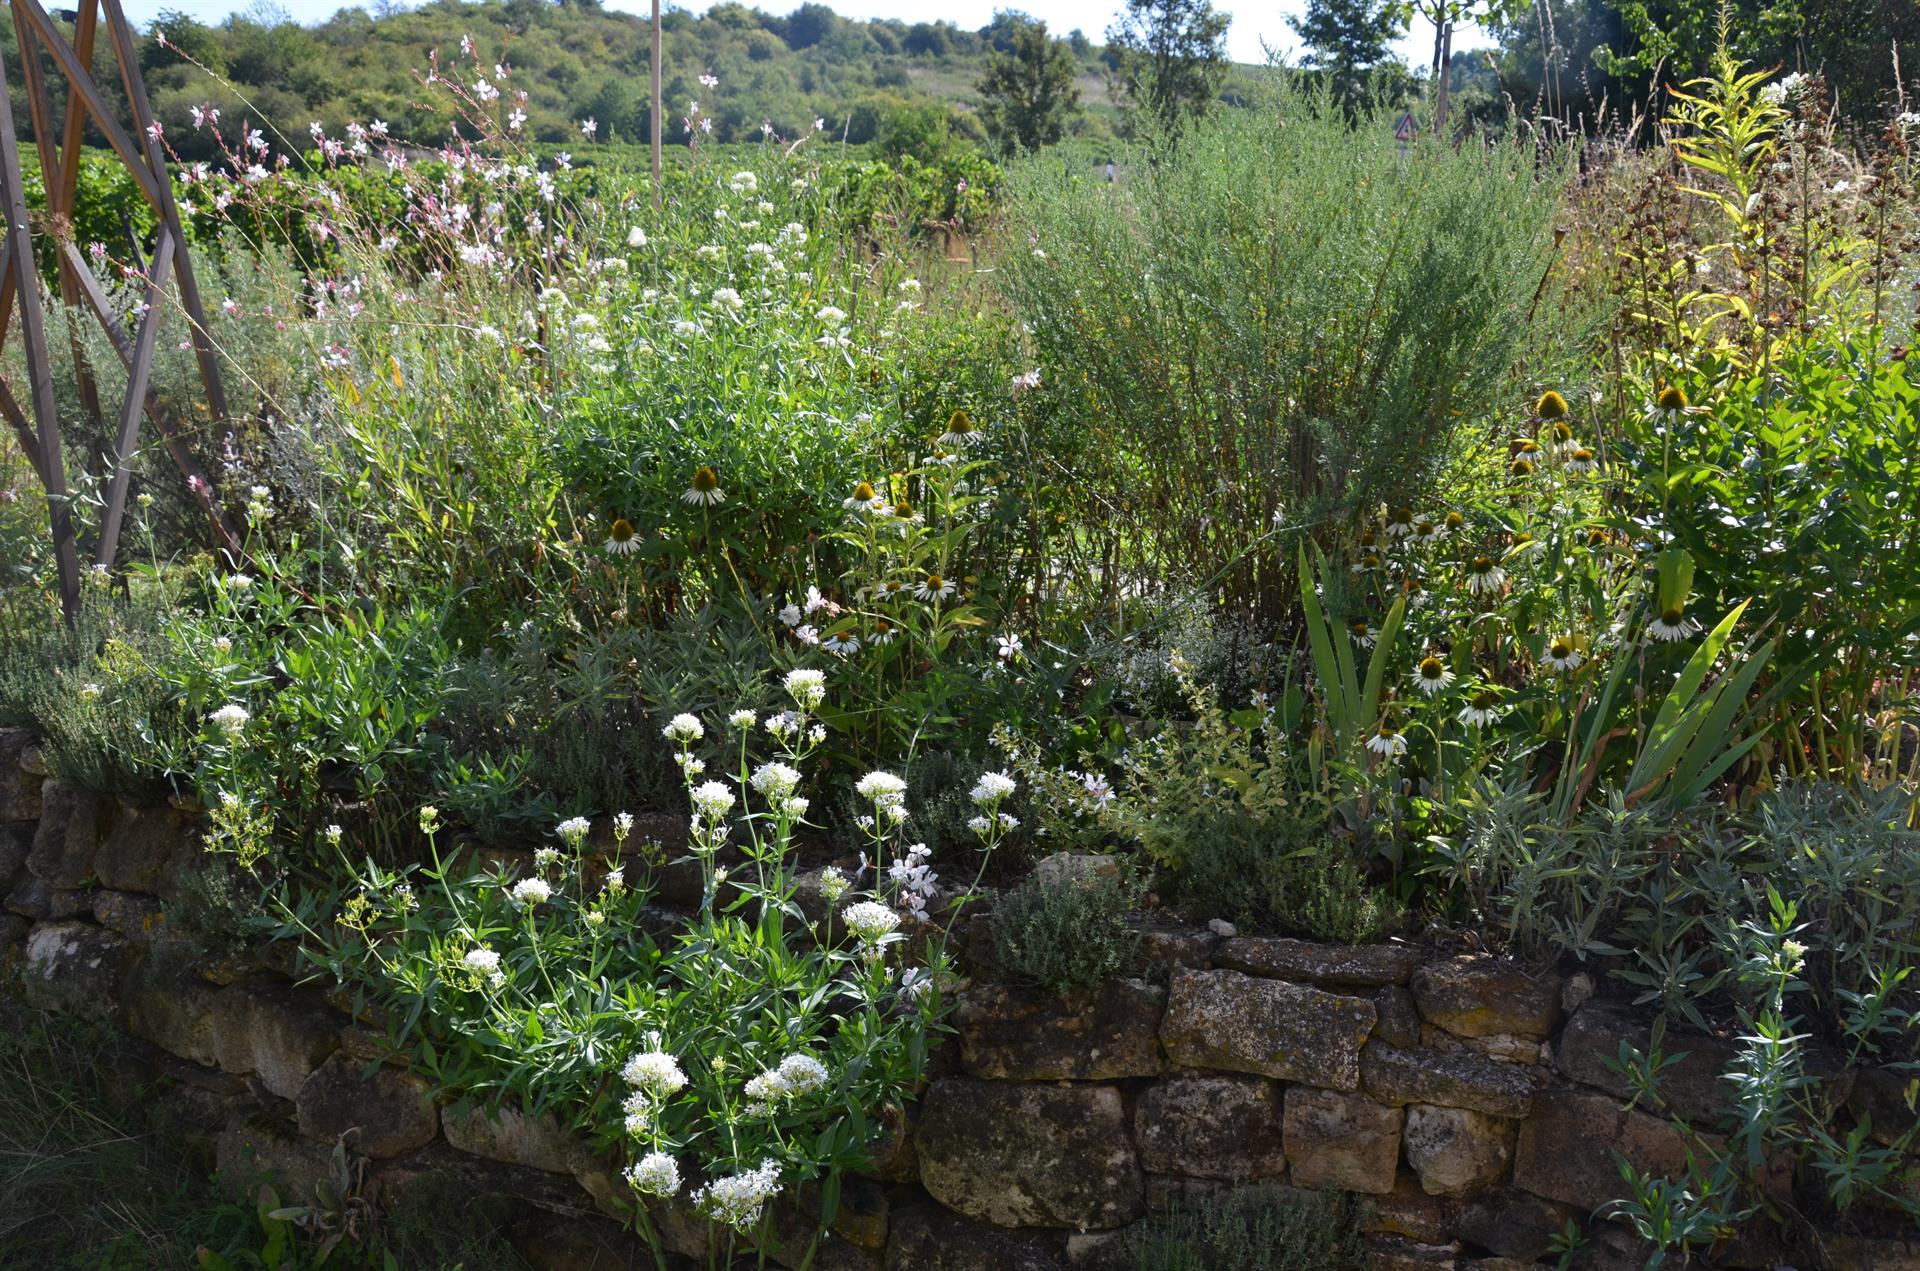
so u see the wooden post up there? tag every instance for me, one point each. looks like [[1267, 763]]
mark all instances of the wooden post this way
[[1446, 73], [655, 77]]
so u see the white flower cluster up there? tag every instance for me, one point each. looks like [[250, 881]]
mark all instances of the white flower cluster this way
[[655, 1174], [796, 1075], [655, 1072], [887, 793], [992, 788], [231, 718], [573, 831], [486, 964], [737, 1200], [684, 729], [529, 891], [870, 921], [807, 687]]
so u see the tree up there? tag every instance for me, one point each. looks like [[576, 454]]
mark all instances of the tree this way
[[1028, 94], [1173, 58], [1347, 39]]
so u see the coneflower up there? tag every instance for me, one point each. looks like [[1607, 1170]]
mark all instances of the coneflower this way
[[621, 539], [704, 490], [1672, 624], [1563, 655], [1432, 675], [1550, 406], [1484, 577], [1482, 708]]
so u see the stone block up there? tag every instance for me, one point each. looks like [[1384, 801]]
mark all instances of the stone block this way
[[1512, 1223], [1107, 1031], [1332, 966], [927, 1239], [32, 898], [389, 1112], [21, 775], [1408, 1211], [138, 918], [1211, 1127], [1566, 1150], [274, 1033], [1481, 996], [15, 842], [174, 1012], [1066, 867], [1457, 1080], [73, 968], [266, 1149], [1272, 1028], [508, 1134], [1457, 1152], [72, 824], [1341, 1142], [1020, 1155], [1396, 1019], [1166, 943], [140, 845]]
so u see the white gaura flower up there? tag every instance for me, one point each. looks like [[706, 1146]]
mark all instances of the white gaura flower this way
[[1432, 675], [530, 891], [655, 1174], [869, 921], [712, 800], [776, 781], [1485, 577], [656, 1072], [684, 728], [807, 687], [704, 488], [231, 718], [1387, 742], [1008, 646], [934, 588], [992, 787], [622, 540], [1563, 655], [1482, 708], [1673, 624]]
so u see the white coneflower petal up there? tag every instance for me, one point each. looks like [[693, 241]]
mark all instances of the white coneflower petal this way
[[1671, 625], [1484, 577], [1563, 655], [704, 489], [621, 537], [1432, 675], [1387, 742]]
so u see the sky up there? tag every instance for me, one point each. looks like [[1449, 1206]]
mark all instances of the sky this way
[[1253, 24]]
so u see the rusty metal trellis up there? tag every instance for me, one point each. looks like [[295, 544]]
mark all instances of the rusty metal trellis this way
[[170, 267]]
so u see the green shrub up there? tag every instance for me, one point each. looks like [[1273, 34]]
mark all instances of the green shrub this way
[[1065, 933], [1255, 1229], [1281, 874], [1279, 320]]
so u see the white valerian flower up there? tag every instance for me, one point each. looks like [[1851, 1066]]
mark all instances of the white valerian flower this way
[[333, 833], [727, 298], [655, 1174], [744, 182], [1432, 675], [802, 1074], [483, 962], [239, 582], [742, 720], [684, 728], [807, 687], [545, 858], [881, 786], [1672, 624], [530, 891], [833, 884], [712, 800], [992, 787], [1387, 742], [1482, 708], [573, 830], [231, 718], [704, 488], [869, 921], [654, 1071], [1485, 577], [622, 826], [736, 1201], [1563, 655], [775, 780], [639, 1112], [636, 237], [830, 313]]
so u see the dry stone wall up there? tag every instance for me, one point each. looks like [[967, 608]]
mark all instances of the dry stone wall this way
[[1466, 1097]]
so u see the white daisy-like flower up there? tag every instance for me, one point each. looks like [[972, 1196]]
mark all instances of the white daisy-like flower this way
[[934, 588], [1427, 529], [1485, 577], [704, 489], [1387, 742], [1482, 709], [960, 432], [775, 780], [231, 718], [622, 539], [654, 1071], [1672, 624], [684, 728], [1363, 634], [807, 687], [711, 799], [869, 921], [1582, 460], [1563, 655], [1432, 675], [841, 643], [992, 787], [864, 499], [655, 1174], [1400, 523], [530, 891]]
